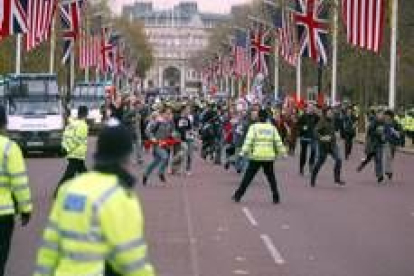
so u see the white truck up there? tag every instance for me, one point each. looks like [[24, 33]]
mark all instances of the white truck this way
[[35, 112], [91, 95]]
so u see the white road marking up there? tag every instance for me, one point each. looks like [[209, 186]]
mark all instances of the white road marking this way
[[250, 216], [241, 272], [191, 236], [277, 257]]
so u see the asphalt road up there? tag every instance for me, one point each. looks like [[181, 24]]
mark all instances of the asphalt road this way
[[194, 229]]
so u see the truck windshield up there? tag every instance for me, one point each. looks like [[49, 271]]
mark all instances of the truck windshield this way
[[91, 103], [27, 107]]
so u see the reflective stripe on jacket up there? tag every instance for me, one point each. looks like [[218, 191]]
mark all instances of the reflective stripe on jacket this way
[[263, 143], [94, 220], [75, 139], [15, 194]]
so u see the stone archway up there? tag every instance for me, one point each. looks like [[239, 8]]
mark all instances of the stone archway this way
[[171, 77]]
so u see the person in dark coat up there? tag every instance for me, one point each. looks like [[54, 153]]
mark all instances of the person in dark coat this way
[[374, 146], [326, 137], [306, 125], [348, 130]]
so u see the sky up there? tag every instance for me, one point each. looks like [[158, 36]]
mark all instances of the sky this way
[[221, 6]]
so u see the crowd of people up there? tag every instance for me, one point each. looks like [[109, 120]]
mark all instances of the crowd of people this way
[[85, 234]]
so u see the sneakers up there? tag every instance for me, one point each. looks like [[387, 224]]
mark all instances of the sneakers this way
[[236, 199], [340, 182], [276, 200], [144, 180], [380, 179], [389, 175], [162, 178]]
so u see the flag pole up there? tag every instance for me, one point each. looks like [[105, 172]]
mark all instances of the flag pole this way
[[18, 53], [299, 78], [393, 63], [52, 48], [334, 86], [276, 80]]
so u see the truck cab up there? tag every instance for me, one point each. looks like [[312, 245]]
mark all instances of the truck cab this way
[[35, 111], [91, 95]]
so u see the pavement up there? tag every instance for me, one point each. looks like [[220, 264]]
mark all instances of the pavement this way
[[194, 229]]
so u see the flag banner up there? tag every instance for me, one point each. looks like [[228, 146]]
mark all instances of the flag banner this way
[[311, 18], [41, 14], [364, 23], [13, 17], [260, 49], [70, 14]]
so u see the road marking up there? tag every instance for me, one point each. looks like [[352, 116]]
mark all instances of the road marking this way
[[277, 257], [191, 236], [240, 272], [249, 216]]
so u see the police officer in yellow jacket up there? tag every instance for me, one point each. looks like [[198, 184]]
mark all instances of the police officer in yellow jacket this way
[[15, 195], [75, 144], [262, 146], [96, 224]]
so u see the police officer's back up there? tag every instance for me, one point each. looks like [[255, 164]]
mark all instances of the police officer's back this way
[[96, 223], [15, 198]]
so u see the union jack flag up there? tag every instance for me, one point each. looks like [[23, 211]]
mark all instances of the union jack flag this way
[[260, 45], [70, 14], [40, 17], [13, 17], [106, 49], [312, 23]]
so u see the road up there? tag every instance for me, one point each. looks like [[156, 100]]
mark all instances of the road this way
[[194, 229]]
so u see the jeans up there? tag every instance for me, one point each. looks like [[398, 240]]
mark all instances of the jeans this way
[[75, 167], [251, 171], [161, 156], [348, 142], [189, 155], [324, 151], [377, 156], [6, 232], [304, 144]]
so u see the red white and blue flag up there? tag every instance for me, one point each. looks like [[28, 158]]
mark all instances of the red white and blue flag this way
[[13, 17], [105, 64], [70, 14], [40, 19], [241, 53], [260, 49], [311, 18], [364, 22]]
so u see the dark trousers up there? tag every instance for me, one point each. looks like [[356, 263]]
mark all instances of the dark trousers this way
[[348, 142], [74, 167], [304, 145], [377, 157], [251, 171], [6, 232], [324, 151]]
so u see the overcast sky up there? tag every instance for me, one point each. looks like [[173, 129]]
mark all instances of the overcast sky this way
[[221, 6]]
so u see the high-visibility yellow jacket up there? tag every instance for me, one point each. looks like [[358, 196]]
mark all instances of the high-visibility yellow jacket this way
[[94, 220], [410, 123], [263, 143], [15, 194], [75, 139]]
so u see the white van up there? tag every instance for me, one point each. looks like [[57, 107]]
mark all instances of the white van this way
[[35, 112]]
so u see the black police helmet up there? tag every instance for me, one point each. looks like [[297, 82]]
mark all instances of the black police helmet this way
[[115, 143], [83, 111], [263, 115], [3, 117]]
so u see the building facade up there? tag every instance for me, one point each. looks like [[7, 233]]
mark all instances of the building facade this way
[[175, 35]]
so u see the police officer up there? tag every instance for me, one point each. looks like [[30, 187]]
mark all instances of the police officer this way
[[15, 195], [262, 146], [96, 223], [75, 142]]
